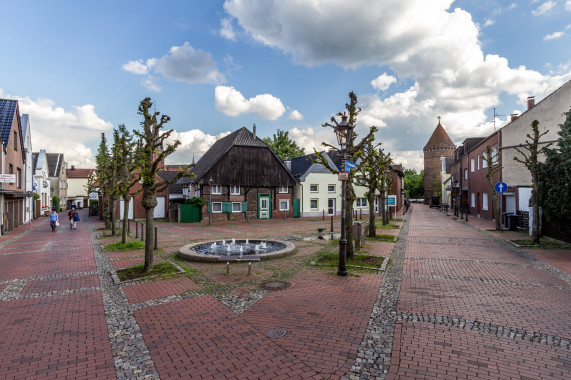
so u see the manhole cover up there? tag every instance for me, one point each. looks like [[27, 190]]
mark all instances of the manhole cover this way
[[277, 333], [275, 285]]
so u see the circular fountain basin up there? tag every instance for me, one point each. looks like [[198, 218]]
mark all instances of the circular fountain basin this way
[[208, 252]]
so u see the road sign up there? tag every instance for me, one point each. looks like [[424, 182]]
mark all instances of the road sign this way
[[350, 165], [343, 176], [391, 200], [500, 187]]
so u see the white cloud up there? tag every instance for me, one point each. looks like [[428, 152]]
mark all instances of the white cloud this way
[[488, 22], [451, 76], [544, 8], [568, 5], [383, 81], [553, 36], [226, 29], [58, 130], [194, 143], [182, 63], [232, 103], [295, 115]]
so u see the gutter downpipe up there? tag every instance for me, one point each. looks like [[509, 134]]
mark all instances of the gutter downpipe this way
[[2, 196]]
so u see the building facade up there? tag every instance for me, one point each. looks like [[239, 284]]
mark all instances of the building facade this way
[[438, 146]]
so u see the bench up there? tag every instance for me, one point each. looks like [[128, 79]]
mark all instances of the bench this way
[[239, 258]]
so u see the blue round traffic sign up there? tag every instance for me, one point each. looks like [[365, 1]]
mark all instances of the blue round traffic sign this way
[[500, 187]]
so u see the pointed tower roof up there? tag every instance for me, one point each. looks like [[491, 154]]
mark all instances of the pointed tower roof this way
[[439, 138]]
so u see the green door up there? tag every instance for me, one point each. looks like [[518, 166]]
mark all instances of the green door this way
[[189, 213], [296, 208]]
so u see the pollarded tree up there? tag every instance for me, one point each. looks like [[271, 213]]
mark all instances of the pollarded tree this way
[[284, 146], [555, 176], [353, 151], [491, 159], [531, 161], [150, 154]]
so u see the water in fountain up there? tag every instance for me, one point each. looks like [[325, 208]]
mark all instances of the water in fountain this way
[[240, 247]]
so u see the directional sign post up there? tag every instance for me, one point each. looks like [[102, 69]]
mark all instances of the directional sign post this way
[[350, 165], [500, 187]]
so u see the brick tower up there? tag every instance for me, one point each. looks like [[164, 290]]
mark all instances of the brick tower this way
[[439, 145]]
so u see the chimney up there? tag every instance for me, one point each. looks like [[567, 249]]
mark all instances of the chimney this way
[[72, 167], [254, 130], [514, 116], [530, 102], [288, 164]]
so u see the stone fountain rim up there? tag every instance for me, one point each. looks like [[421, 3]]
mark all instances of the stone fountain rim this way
[[186, 252]]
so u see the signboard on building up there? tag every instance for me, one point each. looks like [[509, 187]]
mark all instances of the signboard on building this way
[[7, 178]]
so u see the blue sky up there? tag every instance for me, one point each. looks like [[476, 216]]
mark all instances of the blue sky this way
[[81, 68]]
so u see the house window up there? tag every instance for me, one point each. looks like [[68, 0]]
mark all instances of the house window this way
[[361, 181], [236, 206], [234, 190], [216, 207], [284, 205], [313, 188], [494, 155], [484, 201], [484, 161], [11, 169], [331, 188], [314, 204], [473, 200], [15, 140], [216, 189], [472, 165], [361, 202], [478, 162], [19, 178], [465, 173], [283, 190]]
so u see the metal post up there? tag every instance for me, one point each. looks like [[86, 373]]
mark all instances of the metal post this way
[[156, 241], [323, 214], [142, 231], [331, 223], [342, 269], [360, 213], [136, 229], [500, 213], [467, 214]]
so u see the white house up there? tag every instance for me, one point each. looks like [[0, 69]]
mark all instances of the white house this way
[[28, 169], [41, 182], [319, 190]]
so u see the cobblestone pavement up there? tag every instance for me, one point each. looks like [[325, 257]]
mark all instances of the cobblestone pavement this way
[[471, 306], [455, 302]]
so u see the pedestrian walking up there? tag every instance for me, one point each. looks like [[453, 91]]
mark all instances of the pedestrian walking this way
[[73, 217], [54, 219]]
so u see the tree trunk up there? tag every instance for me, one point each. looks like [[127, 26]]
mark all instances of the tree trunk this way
[[496, 210], [372, 227], [535, 208], [350, 198], [125, 218], [383, 208], [113, 217], [149, 239]]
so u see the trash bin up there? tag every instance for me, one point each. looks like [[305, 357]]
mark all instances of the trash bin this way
[[505, 219], [513, 219]]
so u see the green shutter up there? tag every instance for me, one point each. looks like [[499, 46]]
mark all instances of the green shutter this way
[[244, 206], [208, 207], [227, 207]]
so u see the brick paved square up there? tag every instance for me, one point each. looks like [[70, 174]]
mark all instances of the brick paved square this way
[[61, 283], [156, 289]]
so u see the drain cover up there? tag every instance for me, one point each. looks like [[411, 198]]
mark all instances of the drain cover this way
[[277, 333], [275, 285]]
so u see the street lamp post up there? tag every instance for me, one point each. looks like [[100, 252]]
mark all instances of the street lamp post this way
[[344, 132], [210, 180], [387, 173]]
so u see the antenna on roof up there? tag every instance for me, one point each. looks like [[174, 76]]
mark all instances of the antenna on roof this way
[[438, 117], [496, 115]]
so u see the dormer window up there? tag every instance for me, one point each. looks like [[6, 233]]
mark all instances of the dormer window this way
[[15, 140]]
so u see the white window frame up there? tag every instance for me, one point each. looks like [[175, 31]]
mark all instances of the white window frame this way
[[484, 161], [329, 188], [282, 201], [484, 201], [478, 162], [215, 211], [473, 200], [217, 189], [233, 190], [466, 173], [472, 165], [283, 190], [239, 206], [316, 202], [316, 188], [361, 202], [495, 155]]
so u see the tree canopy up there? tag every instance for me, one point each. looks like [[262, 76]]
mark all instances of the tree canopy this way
[[414, 183], [284, 146]]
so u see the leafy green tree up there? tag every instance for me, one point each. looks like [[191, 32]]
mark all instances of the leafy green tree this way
[[103, 165], [414, 183], [555, 176], [354, 151], [284, 146], [150, 154], [530, 152]]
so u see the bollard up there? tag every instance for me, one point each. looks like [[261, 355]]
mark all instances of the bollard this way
[[323, 214], [136, 229], [466, 214], [331, 223], [156, 241], [142, 233], [360, 213]]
